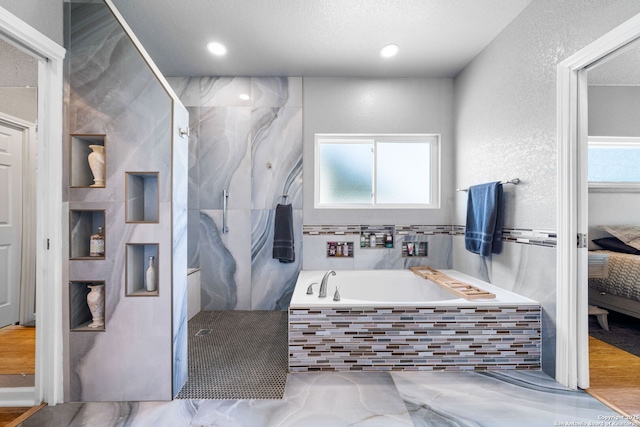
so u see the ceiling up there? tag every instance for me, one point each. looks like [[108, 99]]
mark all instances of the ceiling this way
[[437, 38]]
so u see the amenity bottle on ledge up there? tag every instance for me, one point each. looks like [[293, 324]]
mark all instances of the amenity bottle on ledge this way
[[151, 276], [96, 243]]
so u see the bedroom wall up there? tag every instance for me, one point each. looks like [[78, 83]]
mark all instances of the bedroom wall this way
[[505, 109], [45, 16], [18, 81], [613, 111]]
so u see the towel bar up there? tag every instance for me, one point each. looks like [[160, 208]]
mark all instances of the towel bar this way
[[514, 181]]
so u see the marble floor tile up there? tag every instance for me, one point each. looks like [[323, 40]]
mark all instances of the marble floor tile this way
[[507, 399], [421, 399]]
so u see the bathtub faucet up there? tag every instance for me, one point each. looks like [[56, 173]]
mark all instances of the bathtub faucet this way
[[323, 284]]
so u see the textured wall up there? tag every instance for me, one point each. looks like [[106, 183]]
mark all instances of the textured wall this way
[[232, 143], [362, 105], [44, 16], [17, 69], [506, 102], [20, 102], [505, 109]]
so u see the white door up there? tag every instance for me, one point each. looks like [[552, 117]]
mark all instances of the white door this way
[[10, 222]]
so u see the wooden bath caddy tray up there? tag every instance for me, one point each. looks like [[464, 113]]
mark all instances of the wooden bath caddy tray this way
[[459, 288]]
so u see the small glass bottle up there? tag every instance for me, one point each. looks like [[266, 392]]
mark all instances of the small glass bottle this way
[[151, 276], [96, 244], [363, 241], [345, 249], [372, 240], [388, 243]]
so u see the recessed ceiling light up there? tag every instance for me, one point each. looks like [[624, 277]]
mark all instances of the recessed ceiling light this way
[[389, 50], [217, 48], [244, 97]]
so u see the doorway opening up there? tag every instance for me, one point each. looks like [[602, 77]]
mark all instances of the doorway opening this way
[[573, 195], [18, 117], [48, 386]]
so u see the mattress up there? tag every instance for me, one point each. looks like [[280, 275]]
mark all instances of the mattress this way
[[623, 279]]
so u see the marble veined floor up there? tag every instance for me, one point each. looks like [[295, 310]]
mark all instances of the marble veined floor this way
[[421, 399]]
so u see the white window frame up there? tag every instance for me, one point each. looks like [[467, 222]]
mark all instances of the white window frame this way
[[613, 187], [434, 179]]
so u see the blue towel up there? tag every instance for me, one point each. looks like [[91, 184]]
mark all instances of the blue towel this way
[[283, 249], [485, 208]]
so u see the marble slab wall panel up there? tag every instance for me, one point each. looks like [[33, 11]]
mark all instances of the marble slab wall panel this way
[[179, 205], [113, 92], [194, 158], [193, 238], [187, 89], [129, 360], [224, 155], [276, 153], [272, 282], [224, 91], [314, 255], [232, 142], [276, 91], [225, 260], [519, 269]]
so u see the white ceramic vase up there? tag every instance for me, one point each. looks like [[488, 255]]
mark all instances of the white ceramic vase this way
[[95, 301], [97, 165], [151, 276]]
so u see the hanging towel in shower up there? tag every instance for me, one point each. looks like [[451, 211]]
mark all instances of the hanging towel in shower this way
[[485, 208], [283, 234]]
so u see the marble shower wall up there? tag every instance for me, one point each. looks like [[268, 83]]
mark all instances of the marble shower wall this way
[[111, 91], [253, 149]]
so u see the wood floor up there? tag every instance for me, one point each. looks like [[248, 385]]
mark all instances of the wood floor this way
[[615, 378], [17, 359], [18, 350]]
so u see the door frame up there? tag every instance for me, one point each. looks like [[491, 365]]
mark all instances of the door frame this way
[[49, 236], [572, 350], [26, 293]]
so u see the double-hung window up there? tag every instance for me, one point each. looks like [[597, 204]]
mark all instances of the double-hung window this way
[[377, 171]]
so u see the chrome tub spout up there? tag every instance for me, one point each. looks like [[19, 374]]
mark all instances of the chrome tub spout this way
[[323, 284]]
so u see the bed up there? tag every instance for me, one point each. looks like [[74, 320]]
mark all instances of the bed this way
[[618, 288]]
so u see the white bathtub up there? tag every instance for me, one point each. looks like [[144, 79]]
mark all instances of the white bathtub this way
[[390, 288], [389, 320]]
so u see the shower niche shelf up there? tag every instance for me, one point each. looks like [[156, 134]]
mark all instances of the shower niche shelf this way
[[82, 224], [137, 262], [340, 249], [380, 232], [80, 148], [142, 201], [79, 314], [415, 249]]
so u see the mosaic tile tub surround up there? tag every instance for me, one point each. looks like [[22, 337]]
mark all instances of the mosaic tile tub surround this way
[[447, 335]]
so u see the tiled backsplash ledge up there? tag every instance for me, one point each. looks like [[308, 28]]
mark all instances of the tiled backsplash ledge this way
[[527, 236]]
